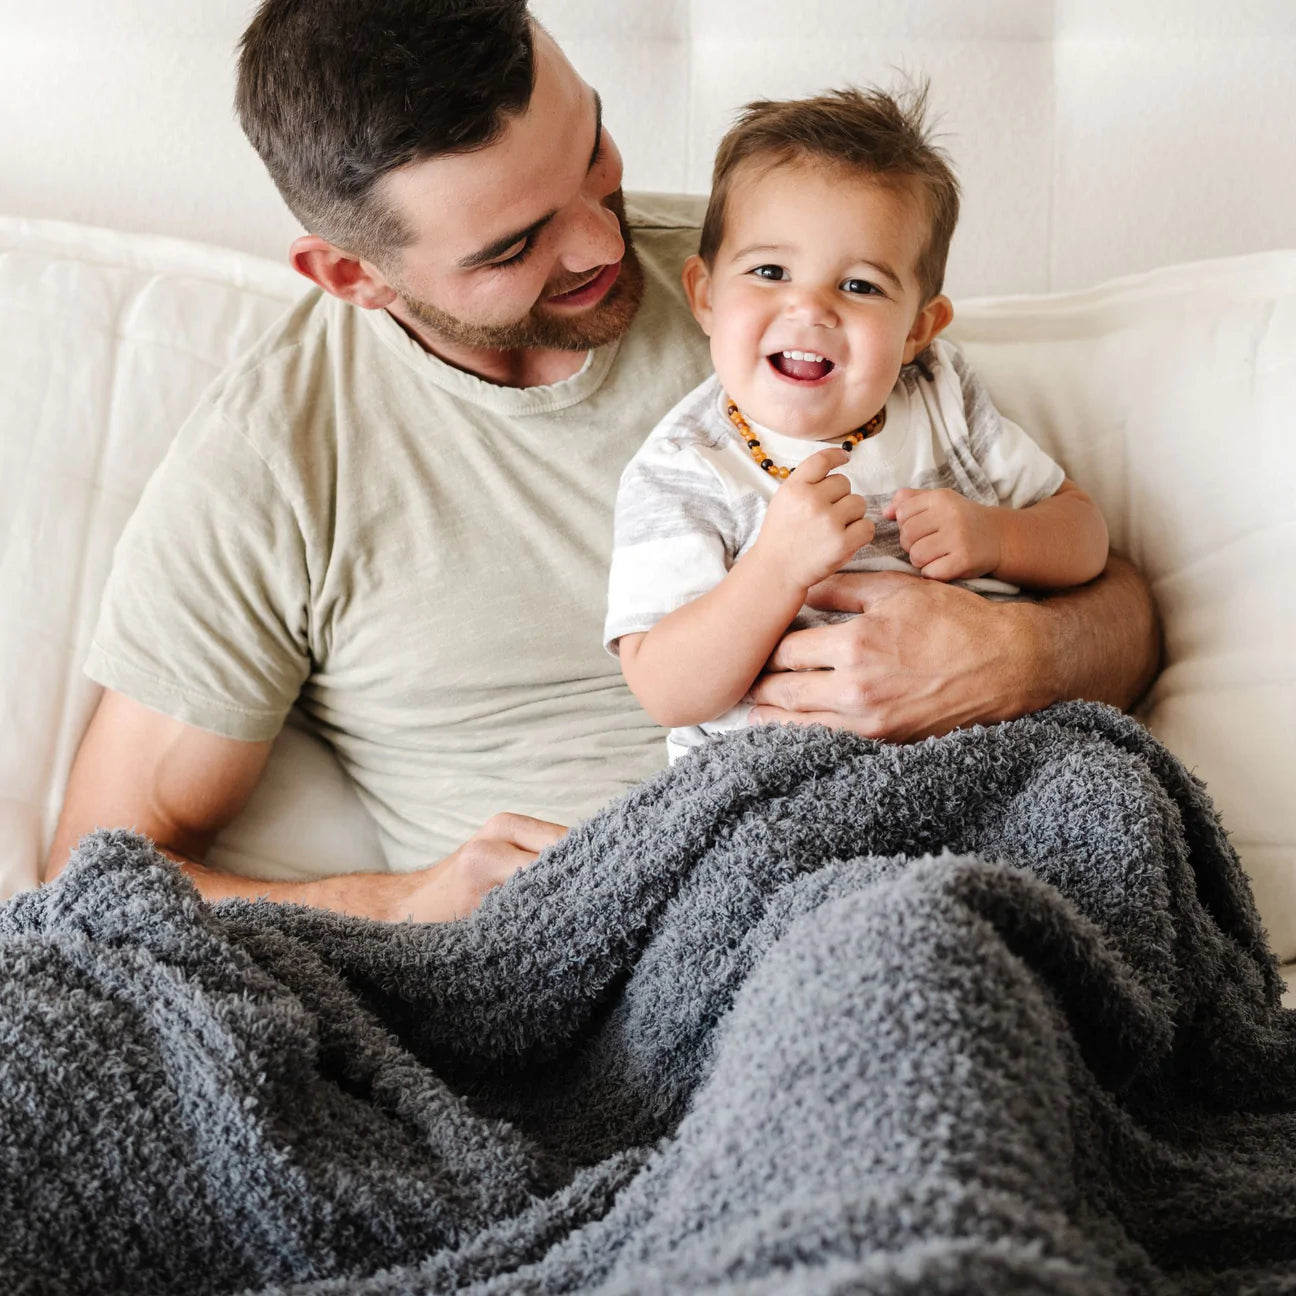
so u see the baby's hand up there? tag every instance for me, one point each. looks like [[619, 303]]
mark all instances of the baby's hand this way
[[946, 535], [814, 524]]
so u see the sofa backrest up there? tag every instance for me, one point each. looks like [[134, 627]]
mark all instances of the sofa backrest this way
[[1093, 137], [1171, 396]]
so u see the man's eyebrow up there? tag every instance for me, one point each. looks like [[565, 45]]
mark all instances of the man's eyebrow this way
[[497, 247]]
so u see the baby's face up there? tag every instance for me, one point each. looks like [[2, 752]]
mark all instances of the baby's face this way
[[814, 263]]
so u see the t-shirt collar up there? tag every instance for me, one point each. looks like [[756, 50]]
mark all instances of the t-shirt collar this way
[[503, 400]]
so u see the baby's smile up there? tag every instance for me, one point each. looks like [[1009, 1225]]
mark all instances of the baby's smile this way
[[801, 366]]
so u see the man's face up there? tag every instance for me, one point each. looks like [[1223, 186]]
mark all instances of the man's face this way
[[523, 243], [813, 304]]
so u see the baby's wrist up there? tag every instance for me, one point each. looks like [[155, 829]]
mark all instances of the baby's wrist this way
[[995, 538], [771, 569]]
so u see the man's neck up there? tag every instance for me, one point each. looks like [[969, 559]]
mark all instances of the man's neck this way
[[521, 367]]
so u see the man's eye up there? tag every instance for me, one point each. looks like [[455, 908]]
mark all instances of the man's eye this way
[[771, 272], [517, 258], [862, 287]]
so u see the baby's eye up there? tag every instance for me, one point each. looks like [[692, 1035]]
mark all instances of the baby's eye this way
[[774, 273], [861, 287]]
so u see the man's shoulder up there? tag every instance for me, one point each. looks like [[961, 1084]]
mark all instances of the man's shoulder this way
[[283, 370], [648, 211]]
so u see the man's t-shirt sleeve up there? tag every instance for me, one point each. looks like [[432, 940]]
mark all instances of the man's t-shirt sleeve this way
[[205, 615]]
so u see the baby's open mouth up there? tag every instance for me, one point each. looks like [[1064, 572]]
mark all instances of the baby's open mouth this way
[[803, 366]]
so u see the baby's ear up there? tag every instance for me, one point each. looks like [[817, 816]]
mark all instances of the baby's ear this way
[[696, 279], [934, 318]]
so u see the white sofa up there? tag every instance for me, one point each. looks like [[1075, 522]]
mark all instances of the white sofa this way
[[1170, 395], [1094, 139]]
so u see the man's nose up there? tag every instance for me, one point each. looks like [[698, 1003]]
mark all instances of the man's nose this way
[[593, 236]]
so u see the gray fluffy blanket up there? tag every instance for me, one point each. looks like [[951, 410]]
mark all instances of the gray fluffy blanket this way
[[805, 1014]]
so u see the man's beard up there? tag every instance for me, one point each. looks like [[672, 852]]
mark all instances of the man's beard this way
[[536, 329]]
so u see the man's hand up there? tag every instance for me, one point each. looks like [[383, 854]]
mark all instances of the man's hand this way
[[946, 535], [924, 658], [920, 658], [813, 524], [457, 884]]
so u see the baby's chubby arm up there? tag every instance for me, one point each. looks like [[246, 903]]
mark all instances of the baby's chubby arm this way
[[1054, 543], [701, 659]]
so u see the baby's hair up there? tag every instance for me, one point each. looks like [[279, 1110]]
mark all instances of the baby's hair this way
[[872, 132]]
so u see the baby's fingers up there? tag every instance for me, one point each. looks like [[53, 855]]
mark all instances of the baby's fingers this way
[[904, 504], [820, 464]]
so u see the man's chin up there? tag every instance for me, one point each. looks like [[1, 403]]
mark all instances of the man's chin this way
[[602, 323], [538, 330]]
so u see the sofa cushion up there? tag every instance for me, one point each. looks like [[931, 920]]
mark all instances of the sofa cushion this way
[[1169, 396]]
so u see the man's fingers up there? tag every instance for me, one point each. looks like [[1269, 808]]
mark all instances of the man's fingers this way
[[778, 715], [800, 691], [851, 591], [523, 830], [820, 464], [801, 650]]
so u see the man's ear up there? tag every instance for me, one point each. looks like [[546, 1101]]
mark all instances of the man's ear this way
[[696, 279], [932, 319], [340, 273]]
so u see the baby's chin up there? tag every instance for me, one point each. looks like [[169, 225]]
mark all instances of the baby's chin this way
[[795, 417]]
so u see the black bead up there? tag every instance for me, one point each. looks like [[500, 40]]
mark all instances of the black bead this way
[[754, 444], [767, 464], [848, 446]]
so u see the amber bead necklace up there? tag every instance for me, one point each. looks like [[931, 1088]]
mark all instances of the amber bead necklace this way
[[875, 424]]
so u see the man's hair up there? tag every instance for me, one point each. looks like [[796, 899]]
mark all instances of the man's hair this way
[[876, 134], [333, 94]]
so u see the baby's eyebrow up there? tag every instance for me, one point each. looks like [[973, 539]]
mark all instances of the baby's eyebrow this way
[[884, 270]]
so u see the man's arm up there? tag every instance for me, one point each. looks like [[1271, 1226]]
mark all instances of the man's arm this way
[[179, 786], [924, 657]]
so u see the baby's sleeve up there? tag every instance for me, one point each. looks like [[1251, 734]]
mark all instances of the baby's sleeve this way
[[1020, 472], [672, 537]]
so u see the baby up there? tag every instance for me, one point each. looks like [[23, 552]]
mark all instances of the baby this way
[[838, 432]]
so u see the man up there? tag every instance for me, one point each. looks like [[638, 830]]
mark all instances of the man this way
[[395, 513]]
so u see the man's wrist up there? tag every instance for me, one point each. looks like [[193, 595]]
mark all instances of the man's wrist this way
[[1041, 653], [383, 896]]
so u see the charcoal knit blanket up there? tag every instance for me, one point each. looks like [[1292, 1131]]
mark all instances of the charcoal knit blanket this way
[[806, 1013]]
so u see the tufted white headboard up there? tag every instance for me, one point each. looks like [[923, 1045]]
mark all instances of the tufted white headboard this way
[[1094, 137]]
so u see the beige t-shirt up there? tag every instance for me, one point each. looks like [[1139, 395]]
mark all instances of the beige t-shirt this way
[[416, 558]]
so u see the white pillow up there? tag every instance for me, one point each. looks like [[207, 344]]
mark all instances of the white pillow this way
[[1171, 397]]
